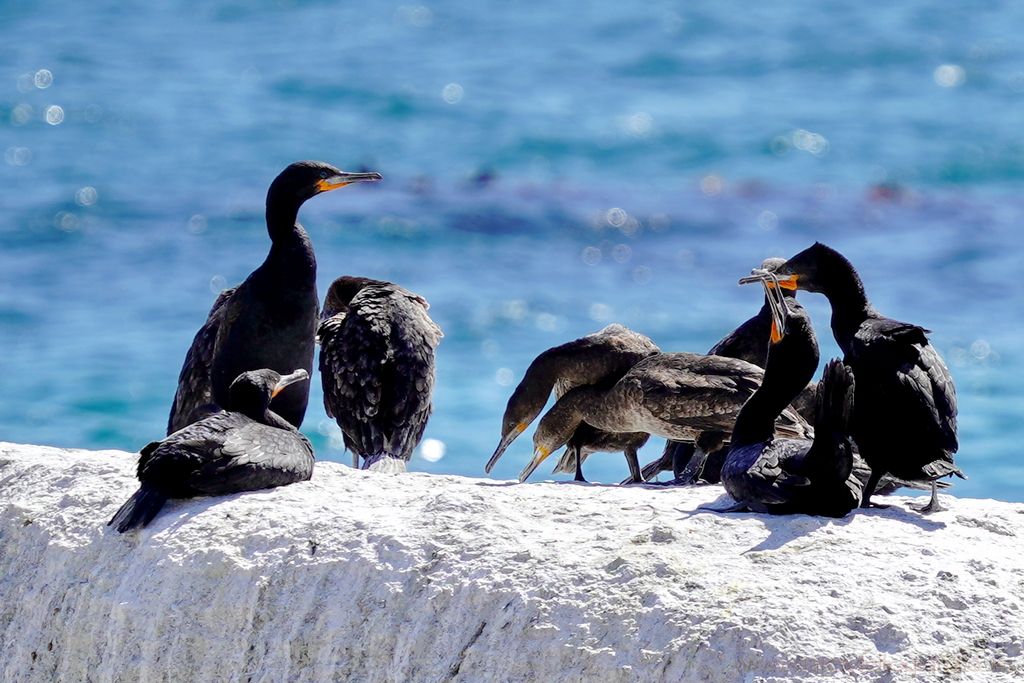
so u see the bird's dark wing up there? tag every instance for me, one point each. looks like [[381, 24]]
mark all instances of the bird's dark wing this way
[[224, 453], [168, 464], [747, 342], [885, 341], [785, 477], [768, 479], [890, 346], [702, 392], [930, 376], [255, 456], [193, 399]]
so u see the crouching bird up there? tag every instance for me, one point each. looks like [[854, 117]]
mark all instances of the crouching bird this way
[[785, 475], [244, 448], [377, 367]]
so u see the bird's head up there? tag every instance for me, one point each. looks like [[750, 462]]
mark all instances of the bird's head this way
[[341, 292], [812, 269], [306, 179], [252, 391], [555, 429], [522, 408]]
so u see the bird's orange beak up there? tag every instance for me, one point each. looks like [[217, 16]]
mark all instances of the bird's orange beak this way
[[342, 179], [788, 282]]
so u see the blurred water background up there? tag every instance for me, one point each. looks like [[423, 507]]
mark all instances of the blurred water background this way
[[548, 170]]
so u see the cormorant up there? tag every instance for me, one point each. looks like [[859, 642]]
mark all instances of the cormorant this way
[[905, 417], [244, 448], [377, 367], [268, 321], [599, 358], [786, 475], [681, 396]]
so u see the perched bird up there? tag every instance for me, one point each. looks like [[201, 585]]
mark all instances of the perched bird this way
[[905, 418], [268, 321], [785, 475], [601, 358], [681, 396], [377, 367], [243, 448]]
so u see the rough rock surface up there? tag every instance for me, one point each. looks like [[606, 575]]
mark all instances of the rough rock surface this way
[[359, 576]]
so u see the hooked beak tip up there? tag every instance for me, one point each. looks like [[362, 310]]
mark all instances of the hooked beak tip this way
[[287, 380]]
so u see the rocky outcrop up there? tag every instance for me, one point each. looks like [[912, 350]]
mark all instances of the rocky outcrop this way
[[360, 576]]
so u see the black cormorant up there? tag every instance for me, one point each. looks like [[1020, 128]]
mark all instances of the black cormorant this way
[[601, 358], [905, 417], [786, 475], [377, 367], [268, 321], [244, 448], [679, 396]]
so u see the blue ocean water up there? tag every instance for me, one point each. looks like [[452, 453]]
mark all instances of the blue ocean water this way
[[547, 171]]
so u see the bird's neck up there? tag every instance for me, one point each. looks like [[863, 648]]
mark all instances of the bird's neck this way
[[787, 371], [282, 217], [567, 414], [535, 388], [842, 285], [291, 257]]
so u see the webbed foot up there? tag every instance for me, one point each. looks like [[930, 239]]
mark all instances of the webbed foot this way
[[933, 505]]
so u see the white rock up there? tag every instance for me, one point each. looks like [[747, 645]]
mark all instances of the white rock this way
[[368, 577]]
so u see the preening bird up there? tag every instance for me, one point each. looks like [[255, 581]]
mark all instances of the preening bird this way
[[377, 346]]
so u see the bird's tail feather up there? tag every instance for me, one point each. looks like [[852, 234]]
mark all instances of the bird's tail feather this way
[[832, 418], [139, 510], [834, 411], [567, 463]]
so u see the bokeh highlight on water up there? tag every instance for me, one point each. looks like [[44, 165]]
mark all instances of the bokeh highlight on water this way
[[547, 171]]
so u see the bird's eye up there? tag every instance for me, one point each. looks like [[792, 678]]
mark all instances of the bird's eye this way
[[323, 174]]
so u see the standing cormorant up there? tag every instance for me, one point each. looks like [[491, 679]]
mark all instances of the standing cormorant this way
[[377, 367], [786, 475], [905, 417], [601, 358], [268, 321], [244, 448], [681, 396]]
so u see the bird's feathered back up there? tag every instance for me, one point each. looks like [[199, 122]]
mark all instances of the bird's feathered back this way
[[377, 369]]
